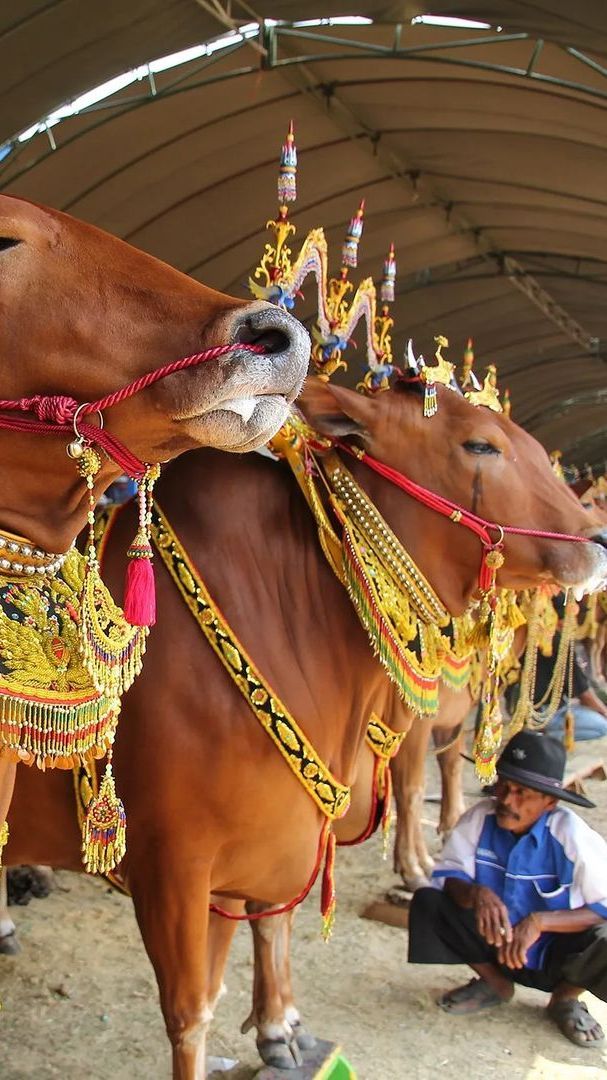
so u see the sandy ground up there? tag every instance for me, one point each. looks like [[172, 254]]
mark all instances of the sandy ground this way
[[80, 1001]]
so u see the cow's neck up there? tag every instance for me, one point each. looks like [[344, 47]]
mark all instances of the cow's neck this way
[[42, 498], [250, 533]]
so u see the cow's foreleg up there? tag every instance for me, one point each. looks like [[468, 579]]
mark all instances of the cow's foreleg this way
[[282, 953], [8, 940], [9, 944], [276, 1034], [411, 858], [171, 900], [221, 934]]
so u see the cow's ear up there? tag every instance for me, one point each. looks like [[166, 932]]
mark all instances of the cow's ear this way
[[335, 410]]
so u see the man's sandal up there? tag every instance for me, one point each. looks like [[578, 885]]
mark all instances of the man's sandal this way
[[575, 1022], [474, 997]]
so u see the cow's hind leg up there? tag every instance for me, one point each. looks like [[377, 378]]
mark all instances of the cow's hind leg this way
[[172, 906], [276, 1037], [450, 762], [411, 857]]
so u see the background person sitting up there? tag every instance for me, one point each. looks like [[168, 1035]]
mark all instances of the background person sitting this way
[[521, 895]]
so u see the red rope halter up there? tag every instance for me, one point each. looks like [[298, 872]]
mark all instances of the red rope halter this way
[[57, 413], [457, 514]]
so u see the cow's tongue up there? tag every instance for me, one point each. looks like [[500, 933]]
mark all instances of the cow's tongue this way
[[242, 406]]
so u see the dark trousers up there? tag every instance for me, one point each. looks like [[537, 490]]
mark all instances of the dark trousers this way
[[441, 932]]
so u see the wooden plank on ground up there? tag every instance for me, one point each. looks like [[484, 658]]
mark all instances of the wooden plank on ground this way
[[385, 912], [325, 1062]]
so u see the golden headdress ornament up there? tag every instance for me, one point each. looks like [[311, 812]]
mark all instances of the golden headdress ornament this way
[[557, 466], [489, 394], [442, 372]]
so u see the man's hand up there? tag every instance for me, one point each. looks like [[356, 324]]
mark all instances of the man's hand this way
[[513, 953], [492, 920]]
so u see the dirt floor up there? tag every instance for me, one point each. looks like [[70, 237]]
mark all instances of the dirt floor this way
[[80, 1000]]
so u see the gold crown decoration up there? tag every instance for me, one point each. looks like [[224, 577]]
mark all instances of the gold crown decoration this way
[[442, 372], [279, 278], [506, 403], [488, 395], [557, 467]]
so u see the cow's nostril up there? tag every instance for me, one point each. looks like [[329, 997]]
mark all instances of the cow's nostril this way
[[600, 538], [273, 340]]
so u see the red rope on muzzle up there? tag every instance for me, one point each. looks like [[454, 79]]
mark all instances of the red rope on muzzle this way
[[55, 414]]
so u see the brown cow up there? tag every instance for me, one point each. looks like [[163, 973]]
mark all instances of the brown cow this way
[[212, 808], [82, 314]]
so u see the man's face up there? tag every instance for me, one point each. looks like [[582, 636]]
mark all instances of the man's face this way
[[518, 808]]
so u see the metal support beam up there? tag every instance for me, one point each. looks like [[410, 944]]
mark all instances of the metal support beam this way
[[585, 399], [531, 288]]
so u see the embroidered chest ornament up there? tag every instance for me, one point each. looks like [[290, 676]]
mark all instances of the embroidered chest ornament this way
[[67, 654], [67, 651]]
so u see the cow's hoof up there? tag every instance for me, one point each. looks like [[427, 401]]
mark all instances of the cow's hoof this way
[[280, 1054], [9, 944], [304, 1038]]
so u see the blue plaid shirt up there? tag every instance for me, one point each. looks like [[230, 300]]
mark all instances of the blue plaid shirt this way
[[560, 864]]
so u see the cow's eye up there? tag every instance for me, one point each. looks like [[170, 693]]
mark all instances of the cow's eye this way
[[480, 446], [8, 242]]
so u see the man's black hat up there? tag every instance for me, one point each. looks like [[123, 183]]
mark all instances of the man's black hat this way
[[537, 761]]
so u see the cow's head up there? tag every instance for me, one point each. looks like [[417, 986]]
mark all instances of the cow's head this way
[[478, 459], [83, 313]]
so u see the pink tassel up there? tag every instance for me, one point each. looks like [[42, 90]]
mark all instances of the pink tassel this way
[[140, 588]]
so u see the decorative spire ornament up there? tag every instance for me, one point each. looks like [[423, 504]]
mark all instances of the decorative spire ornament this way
[[468, 364], [287, 172], [377, 376], [506, 403], [349, 251], [328, 347], [386, 289]]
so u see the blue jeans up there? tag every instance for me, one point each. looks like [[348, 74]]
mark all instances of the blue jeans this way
[[588, 723]]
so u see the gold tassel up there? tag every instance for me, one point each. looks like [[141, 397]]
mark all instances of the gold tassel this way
[[328, 897], [104, 828], [512, 615], [3, 839], [384, 789], [430, 400]]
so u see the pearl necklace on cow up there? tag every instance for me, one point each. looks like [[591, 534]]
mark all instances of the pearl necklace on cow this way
[[18, 556]]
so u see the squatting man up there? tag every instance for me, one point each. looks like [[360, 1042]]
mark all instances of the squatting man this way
[[522, 895]]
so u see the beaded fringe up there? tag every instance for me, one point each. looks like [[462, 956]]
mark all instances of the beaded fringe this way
[[418, 691], [56, 735], [112, 649]]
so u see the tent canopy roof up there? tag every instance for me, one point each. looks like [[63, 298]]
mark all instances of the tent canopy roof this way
[[481, 154]]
